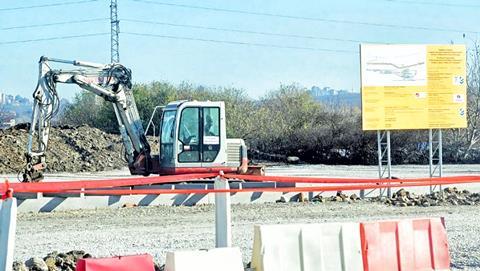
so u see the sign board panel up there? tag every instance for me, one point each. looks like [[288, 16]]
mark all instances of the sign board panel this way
[[413, 86]]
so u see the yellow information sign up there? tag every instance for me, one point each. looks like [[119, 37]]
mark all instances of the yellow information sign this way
[[413, 86]]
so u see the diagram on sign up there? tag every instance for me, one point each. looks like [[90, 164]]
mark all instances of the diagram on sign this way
[[394, 67]]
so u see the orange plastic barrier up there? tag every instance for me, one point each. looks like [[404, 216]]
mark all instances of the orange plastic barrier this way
[[408, 244], [123, 263]]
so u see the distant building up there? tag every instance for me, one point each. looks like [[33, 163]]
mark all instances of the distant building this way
[[335, 97], [6, 99], [7, 119], [14, 109]]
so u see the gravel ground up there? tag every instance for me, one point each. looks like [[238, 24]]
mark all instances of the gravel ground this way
[[156, 230]]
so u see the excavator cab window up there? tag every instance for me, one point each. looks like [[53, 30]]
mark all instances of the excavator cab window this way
[[167, 137], [189, 135], [199, 134], [211, 133]]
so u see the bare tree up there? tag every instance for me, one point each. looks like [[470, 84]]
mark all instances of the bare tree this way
[[464, 142]]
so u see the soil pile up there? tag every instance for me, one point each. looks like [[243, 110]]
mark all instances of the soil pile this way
[[402, 198], [449, 196], [70, 149]]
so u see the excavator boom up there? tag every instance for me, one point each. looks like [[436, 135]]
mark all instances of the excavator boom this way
[[112, 82]]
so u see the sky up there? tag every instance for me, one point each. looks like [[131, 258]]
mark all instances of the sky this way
[[317, 44]]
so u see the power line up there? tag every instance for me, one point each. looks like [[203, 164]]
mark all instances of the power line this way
[[48, 5], [434, 3], [54, 38], [286, 16], [53, 24], [246, 31], [241, 43]]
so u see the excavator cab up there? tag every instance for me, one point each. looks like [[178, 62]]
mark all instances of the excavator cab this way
[[193, 139]]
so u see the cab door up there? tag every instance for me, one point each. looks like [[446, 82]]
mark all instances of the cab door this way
[[189, 137], [210, 135], [198, 136]]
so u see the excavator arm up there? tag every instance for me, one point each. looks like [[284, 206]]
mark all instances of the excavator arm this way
[[113, 83]]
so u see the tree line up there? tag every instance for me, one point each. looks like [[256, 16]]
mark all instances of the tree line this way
[[289, 122]]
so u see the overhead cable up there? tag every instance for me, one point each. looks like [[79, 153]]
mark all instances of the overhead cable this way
[[54, 23], [54, 38], [296, 17], [240, 43], [245, 31], [48, 5]]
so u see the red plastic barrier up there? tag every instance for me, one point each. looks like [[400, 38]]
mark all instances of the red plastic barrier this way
[[142, 262], [417, 244], [69, 185], [341, 184], [261, 189], [296, 179]]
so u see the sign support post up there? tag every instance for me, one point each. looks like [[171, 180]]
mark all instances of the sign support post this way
[[384, 158], [435, 156]]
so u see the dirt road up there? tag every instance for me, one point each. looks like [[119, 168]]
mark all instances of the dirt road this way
[[156, 230]]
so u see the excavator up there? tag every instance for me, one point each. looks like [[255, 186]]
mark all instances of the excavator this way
[[192, 134]]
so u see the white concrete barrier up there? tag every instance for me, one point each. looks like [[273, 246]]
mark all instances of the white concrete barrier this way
[[8, 222], [307, 247], [218, 259]]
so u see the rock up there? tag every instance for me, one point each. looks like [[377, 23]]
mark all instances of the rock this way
[[76, 254], [449, 190], [129, 205], [336, 198], [318, 198], [19, 266], [36, 264], [403, 199], [302, 198], [425, 204], [341, 195], [51, 263], [293, 160], [354, 197], [401, 193]]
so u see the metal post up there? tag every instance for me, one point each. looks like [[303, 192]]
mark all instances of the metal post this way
[[223, 216], [430, 154], [379, 152], [440, 155], [114, 32], [435, 153], [389, 164], [384, 159], [8, 223]]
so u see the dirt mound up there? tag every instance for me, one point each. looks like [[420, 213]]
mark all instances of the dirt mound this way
[[402, 198], [71, 149], [449, 196]]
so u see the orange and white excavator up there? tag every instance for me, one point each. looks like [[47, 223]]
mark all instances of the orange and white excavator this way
[[192, 133]]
